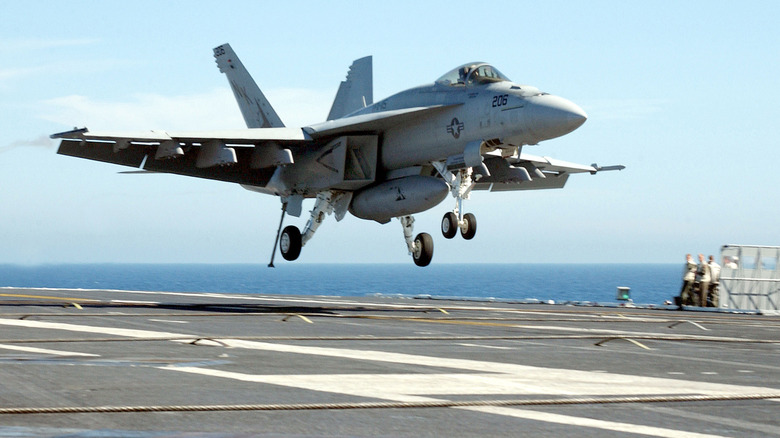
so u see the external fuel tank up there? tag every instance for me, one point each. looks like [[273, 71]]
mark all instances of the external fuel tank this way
[[398, 197]]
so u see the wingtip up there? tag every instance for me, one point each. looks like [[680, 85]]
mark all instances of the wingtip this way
[[75, 132], [607, 168]]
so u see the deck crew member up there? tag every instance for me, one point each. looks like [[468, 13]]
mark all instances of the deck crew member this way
[[704, 281], [712, 293], [689, 276]]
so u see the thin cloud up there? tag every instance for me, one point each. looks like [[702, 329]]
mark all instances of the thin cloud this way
[[34, 44], [40, 142], [299, 106], [144, 111], [213, 110], [20, 49], [12, 73]]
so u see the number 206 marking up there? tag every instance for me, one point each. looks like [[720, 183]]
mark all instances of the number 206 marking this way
[[500, 100]]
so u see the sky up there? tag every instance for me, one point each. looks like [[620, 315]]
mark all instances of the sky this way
[[684, 94]]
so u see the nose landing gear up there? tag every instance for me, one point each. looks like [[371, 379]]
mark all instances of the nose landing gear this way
[[461, 183], [449, 225], [467, 225]]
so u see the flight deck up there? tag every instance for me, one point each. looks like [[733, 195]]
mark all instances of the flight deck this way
[[86, 363]]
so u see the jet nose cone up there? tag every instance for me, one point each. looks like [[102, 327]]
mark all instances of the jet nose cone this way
[[554, 116]]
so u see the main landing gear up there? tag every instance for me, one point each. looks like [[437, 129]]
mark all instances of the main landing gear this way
[[291, 240], [421, 248], [290, 243], [461, 183]]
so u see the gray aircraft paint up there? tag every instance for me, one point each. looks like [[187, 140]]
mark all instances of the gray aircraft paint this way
[[463, 132]]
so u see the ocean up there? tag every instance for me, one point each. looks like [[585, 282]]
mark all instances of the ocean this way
[[651, 284]]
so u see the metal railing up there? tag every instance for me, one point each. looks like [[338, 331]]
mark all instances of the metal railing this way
[[750, 277]]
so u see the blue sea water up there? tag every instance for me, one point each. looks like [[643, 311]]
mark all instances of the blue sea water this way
[[649, 283]]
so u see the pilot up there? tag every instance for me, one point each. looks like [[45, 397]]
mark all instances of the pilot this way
[[689, 276], [475, 76], [464, 73]]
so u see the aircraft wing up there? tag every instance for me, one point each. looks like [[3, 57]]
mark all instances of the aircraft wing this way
[[244, 156], [531, 172], [243, 137]]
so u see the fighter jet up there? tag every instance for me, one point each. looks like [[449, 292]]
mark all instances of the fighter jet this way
[[376, 160]]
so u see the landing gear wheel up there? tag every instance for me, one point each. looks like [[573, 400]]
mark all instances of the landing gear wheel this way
[[449, 225], [469, 227], [423, 252], [290, 243]]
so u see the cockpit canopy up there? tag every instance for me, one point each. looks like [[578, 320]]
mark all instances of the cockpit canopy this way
[[471, 74]]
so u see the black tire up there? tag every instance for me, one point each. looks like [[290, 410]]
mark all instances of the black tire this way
[[290, 243], [449, 225], [424, 254], [469, 229]]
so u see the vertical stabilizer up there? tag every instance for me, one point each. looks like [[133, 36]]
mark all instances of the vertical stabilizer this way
[[255, 108], [356, 92]]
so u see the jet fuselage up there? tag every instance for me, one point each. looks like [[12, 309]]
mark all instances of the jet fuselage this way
[[500, 113]]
